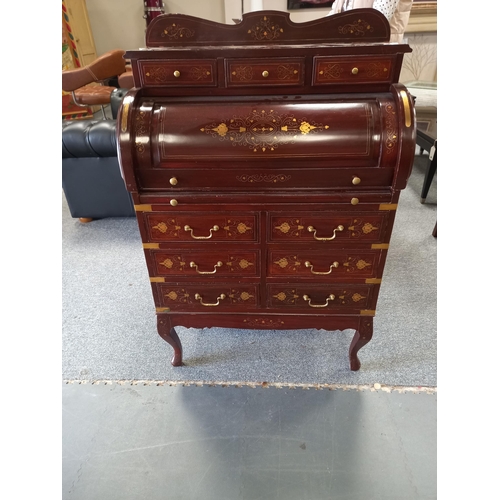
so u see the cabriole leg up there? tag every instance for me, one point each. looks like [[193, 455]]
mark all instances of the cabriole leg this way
[[168, 334], [362, 336]]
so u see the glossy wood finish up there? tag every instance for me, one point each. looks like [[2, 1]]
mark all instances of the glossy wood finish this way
[[265, 162]]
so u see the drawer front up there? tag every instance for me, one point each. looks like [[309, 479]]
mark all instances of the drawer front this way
[[320, 298], [339, 265], [275, 72], [266, 179], [208, 297], [328, 70], [334, 227], [191, 227], [197, 263], [179, 73]]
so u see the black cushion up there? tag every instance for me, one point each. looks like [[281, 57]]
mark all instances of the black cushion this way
[[89, 138]]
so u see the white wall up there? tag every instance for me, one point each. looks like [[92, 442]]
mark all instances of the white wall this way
[[119, 24]]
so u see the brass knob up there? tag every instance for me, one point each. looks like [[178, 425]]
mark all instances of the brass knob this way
[[356, 180], [265, 74], [354, 71], [354, 201], [174, 203], [173, 181], [177, 74]]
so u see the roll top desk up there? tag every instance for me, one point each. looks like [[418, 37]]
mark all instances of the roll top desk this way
[[265, 160]]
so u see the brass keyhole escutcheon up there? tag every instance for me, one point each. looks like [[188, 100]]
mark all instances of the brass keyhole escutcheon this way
[[265, 74], [177, 74], [174, 203], [354, 71], [356, 180], [173, 181]]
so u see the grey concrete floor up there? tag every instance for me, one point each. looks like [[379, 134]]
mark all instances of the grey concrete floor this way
[[146, 441]]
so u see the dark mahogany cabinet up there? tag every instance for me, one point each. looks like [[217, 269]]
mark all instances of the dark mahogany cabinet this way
[[265, 160]]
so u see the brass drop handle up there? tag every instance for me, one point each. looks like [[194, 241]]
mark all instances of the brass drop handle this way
[[193, 264], [332, 267], [307, 299], [356, 180], [354, 71], [177, 74], [188, 229], [173, 181], [200, 298], [265, 74], [312, 230]]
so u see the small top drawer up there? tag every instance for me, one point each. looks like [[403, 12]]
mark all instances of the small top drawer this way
[[179, 73], [328, 70], [276, 71]]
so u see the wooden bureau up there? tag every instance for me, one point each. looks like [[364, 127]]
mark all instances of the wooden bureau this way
[[265, 160]]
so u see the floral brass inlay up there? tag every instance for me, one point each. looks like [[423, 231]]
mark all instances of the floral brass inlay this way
[[290, 263], [233, 228], [391, 127], [262, 130], [265, 30], [263, 178], [236, 296], [357, 297], [175, 32], [359, 28], [242, 263], [174, 262], [359, 227], [353, 263], [179, 295], [290, 227], [170, 228]]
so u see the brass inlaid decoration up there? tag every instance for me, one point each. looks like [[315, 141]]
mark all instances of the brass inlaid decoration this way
[[173, 263], [265, 30], [290, 227], [353, 263], [238, 264], [140, 129], [170, 227], [262, 130], [359, 228], [243, 73], [263, 178], [162, 74], [289, 263], [332, 71], [264, 322], [359, 28], [291, 297], [174, 32], [391, 127], [234, 228], [377, 70]]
